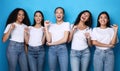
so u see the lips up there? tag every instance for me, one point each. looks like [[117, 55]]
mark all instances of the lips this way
[[59, 17]]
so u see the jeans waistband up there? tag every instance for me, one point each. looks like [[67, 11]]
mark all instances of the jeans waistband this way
[[36, 46], [106, 50], [14, 42], [80, 50], [59, 45]]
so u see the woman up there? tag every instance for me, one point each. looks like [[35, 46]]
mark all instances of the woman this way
[[57, 35], [104, 38], [35, 39], [16, 23], [81, 40]]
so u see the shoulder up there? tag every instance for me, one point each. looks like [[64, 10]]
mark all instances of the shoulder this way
[[24, 25], [110, 29], [8, 25], [96, 28]]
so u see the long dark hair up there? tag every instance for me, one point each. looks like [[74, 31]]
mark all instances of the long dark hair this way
[[13, 16], [108, 23], [42, 22], [88, 23]]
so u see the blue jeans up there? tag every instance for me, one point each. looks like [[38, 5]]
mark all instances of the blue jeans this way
[[80, 60], [36, 58], [15, 53], [103, 60], [60, 53]]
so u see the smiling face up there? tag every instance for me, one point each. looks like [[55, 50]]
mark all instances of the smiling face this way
[[20, 16], [85, 17], [103, 20], [38, 18], [59, 14]]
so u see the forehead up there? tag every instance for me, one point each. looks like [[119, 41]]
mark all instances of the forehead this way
[[86, 13], [103, 15], [21, 11], [38, 13], [59, 9]]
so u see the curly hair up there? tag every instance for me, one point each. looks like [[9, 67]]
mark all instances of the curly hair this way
[[13, 16]]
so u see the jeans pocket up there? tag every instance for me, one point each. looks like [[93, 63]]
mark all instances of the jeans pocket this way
[[11, 44], [97, 52], [73, 53], [86, 51], [110, 52]]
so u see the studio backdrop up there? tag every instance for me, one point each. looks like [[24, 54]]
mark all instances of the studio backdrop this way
[[72, 9]]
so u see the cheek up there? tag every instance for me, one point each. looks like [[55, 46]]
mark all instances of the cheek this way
[[87, 19], [23, 17], [106, 20]]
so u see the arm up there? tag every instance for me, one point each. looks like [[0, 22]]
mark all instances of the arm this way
[[26, 35], [114, 39], [88, 37], [61, 41], [47, 33], [89, 41], [7, 34], [71, 33], [96, 43], [43, 39]]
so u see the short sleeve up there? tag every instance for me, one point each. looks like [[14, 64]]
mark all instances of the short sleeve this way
[[50, 27], [93, 34], [67, 26], [71, 26], [7, 28]]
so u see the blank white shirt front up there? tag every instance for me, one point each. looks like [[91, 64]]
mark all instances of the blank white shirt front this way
[[18, 33], [103, 36], [79, 41], [57, 31], [36, 35]]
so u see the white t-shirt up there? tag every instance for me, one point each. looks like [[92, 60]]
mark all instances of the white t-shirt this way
[[103, 35], [36, 35], [57, 31], [18, 33], [79, 41]]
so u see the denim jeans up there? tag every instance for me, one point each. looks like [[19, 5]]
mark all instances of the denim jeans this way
[[36, 57], [79, 59], [16, 53], [103, 60], [60, 53]]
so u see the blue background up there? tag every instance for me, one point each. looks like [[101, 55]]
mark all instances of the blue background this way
[[72, 8]]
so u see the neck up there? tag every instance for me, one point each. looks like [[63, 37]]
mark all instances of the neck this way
[[82, 24], [103, 27], [18, 22], [59, 22], [37, 25]]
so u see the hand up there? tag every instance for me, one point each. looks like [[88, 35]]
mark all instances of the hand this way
[[49, 44], [74, 28], [47, 23], [12, 26], [44, 29], [26, 30], [110, 45], [87, 35], [115, 27]]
